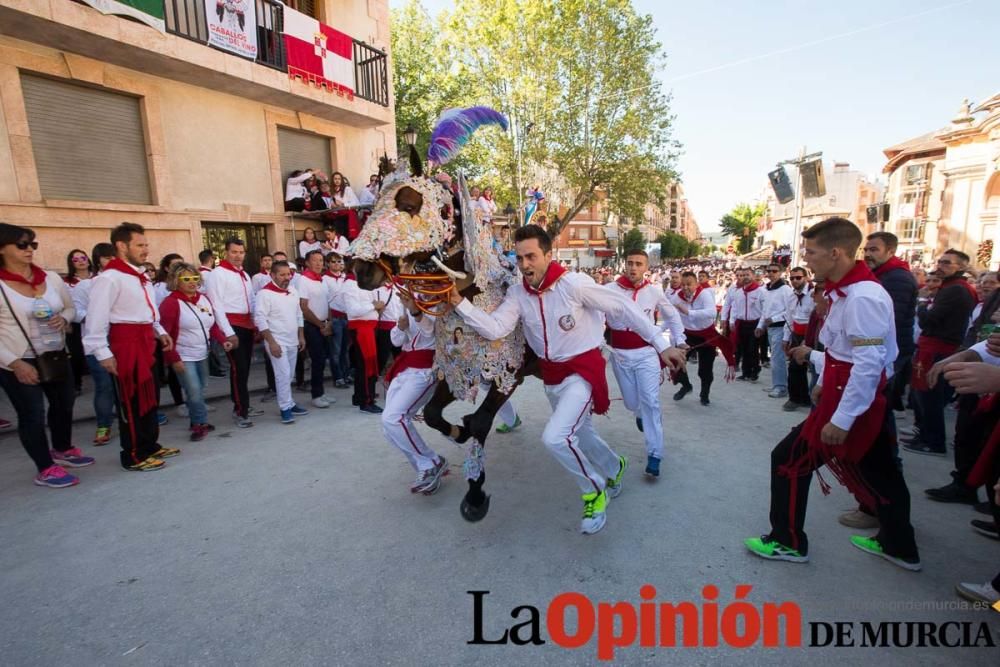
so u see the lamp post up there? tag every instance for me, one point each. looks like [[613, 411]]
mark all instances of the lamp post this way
[[410, 135]]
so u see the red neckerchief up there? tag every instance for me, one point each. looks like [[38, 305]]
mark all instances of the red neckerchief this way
[[705, 285], [120, 265], [959, 279], [694, 297], [37, 276], [312, 275], [625, 283], [336, 276], [73, 280], [858, 273], [893, 263], [350, 276], [181, 296], [751, 287], [274, 288], [553, 273], [229, 267]]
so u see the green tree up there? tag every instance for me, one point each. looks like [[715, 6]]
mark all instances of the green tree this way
[[672, 246], [693, 249], [633, 240], [741, 223]]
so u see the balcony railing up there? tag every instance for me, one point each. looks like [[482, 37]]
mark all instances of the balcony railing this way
[[186, 18]]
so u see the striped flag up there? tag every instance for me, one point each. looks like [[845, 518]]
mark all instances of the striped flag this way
[[318, 54]]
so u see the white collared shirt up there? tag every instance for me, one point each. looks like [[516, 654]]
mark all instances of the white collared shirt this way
[[230, 292], [419, 336], [564, 321], [774, 306], [798, 310], [317, 300], [393, 306], [650, 299], [117, 298], [281, 314], [745, 306], [334, 289], [357, 303], [701, 314], [259, 280]]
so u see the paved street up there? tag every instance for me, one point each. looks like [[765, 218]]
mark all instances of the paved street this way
[[302, 545]]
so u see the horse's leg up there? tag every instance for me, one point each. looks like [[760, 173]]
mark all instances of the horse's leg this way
[[433, 412]]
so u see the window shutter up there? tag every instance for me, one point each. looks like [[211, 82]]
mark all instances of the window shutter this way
[[88, 143], [301, 150]]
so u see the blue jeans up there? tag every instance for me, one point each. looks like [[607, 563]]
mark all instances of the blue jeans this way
[[193, 380], [339, 363], [104, 395], [779, 363]]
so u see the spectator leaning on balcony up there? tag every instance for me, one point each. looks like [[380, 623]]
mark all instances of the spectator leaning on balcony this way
[[343, 195], [296, 191], [27, 290], [323, 199]]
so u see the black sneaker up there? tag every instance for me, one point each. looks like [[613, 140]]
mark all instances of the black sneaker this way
[[371, 409], [638, 423], [682, 392], [953, 493], [918, 447], [983, 508], [742, 378], [705, 401], [987, 528]]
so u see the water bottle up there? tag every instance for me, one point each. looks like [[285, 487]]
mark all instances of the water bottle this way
[[51, 337]]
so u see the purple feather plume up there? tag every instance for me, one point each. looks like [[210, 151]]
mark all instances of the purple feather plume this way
[[454, 128]]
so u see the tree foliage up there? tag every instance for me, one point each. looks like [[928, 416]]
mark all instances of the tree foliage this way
[[633, 240], [675, 246], [741, 223], [576, 79]]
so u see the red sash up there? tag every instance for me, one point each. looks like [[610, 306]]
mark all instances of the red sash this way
[[982, 472], [624, 339], [713, 338], [841, 459], [928, 347], [799, 328], [409, 359], [134, 346], [338, 314], [364, 330], [242, 320], [589, 366]]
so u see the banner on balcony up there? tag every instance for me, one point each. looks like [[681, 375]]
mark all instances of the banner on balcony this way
[[232, 26], [149, 12], [318, 54]]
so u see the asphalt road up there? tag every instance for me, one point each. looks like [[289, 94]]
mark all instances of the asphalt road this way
[[301, 545]]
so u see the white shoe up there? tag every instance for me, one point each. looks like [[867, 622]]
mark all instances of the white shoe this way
[[594, 515], [210, 408], [321, 402], [182, 410], [778, 393], [979, 592]]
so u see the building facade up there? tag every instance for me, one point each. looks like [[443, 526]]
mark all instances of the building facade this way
[[187, 121], [584, 242]]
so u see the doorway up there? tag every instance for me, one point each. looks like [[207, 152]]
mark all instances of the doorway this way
[[254, 237]]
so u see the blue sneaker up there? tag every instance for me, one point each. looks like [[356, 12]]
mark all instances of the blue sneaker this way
[[161, 419], [298, 410], [652, 466], [286, 417]]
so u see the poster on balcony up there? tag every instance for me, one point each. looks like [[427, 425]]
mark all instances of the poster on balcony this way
[[232, 26], [319, 54]]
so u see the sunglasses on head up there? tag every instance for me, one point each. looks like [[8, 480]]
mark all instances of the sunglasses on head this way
[[189, 279], [24, 245]]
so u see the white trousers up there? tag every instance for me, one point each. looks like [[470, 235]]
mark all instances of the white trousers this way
[[284, 369], [507, 412], [407, 394], [571, 438], [638, 374]]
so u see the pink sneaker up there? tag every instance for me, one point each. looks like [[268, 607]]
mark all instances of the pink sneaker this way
[[56, 477], [73, 458]]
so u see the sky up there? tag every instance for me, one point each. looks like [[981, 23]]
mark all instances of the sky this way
[[753, 82]]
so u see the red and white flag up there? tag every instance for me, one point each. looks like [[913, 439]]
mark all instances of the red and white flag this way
[[317, 53]]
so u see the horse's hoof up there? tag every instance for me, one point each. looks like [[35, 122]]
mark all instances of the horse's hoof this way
[[473, 513]]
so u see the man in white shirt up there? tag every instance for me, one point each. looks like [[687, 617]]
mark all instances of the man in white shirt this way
[[851, 430], [263, 276], [562, 314], [122, 330], [333, 280], [740, 317], [634, 361], [697, 309], [772, 325], [231, 293], [278, 317], [362, 308], [334, 242], [206, 259], [799, 307], [316, 313]]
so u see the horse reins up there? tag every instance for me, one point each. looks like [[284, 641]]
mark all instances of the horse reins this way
[[432, 287]]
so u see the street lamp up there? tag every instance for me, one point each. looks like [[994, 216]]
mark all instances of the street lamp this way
[[410, 136]]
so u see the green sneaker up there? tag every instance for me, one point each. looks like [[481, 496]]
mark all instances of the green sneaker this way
[[765, 547], [594, 506], [503, 428], [874, 547], [615, 485], [103, 436]]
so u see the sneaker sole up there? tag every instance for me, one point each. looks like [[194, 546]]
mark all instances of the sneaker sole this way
[[39, 482], [433, 481], [71, 464], [785, 557], [595, 529], [990, 534], [147, 468], [972, 596], [858, 525], [922, 452], [912, 567]]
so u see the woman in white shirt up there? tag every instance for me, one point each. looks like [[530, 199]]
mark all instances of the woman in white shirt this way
[[343, 195], [296, 192], [35, 312], [78, 270], [309, 242]]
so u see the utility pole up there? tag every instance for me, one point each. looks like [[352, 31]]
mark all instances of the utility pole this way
[[799, 198]]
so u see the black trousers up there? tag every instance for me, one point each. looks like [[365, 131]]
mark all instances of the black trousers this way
[[798, 377], [364, 388], [748, 349], [77, 359], [972, 432], [139, 433], [903, 367], [29, 401], [239, 371], [318, 346], [790, 496], [706, 358], [764, 348], [385, 349], [166, 374]]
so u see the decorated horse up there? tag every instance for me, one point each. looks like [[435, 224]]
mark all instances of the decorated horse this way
[[424, 238]]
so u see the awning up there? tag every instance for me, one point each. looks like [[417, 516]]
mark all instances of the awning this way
[[604, 252]]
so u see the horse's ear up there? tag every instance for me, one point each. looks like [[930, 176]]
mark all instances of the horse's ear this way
[[416, 166]]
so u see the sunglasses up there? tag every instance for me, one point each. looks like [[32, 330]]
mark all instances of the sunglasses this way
[[24, 245], [189, 279], [798, 277], [79, 258]]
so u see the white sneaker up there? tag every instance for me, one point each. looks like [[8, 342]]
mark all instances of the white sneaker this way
[[210, 407], [182, 410], [594, 516], [321, 402], [777, 393], [979, 592]]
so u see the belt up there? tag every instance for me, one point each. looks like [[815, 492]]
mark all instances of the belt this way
[[775, 325]]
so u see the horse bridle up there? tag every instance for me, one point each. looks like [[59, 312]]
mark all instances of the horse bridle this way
[[427, 290]]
